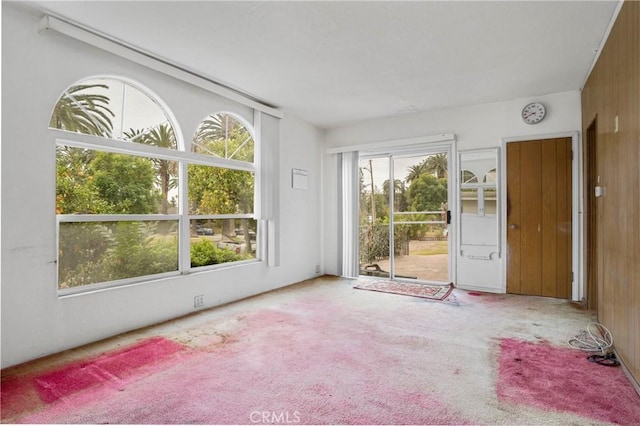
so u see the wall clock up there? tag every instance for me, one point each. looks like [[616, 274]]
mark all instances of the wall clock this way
[[533, 113]]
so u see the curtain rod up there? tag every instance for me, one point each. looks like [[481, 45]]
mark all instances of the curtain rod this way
[[149, 60]]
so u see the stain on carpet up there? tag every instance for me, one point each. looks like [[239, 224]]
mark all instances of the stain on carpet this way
[[562, 379], [113, 369]]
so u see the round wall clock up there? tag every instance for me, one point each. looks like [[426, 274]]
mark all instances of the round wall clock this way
[[533, 113]]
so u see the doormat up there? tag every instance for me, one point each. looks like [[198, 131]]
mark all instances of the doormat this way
[[426, 291]]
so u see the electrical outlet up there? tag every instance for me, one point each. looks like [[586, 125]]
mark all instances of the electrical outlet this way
[[198, 301], [317, 269]]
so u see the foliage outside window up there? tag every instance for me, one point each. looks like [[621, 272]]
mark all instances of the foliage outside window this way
[[221, 199], [118, 209], [420, 196]]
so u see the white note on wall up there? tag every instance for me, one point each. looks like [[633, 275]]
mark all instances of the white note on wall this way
[[299, 179]]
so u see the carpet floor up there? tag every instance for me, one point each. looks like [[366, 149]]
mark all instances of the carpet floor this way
[[322, 352]]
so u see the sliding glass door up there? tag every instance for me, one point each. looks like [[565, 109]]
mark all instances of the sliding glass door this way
[[404, 204]]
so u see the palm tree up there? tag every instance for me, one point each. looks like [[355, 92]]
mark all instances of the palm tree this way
[[399, 191], [163, 137], [211, 128], [416, 171], [437, 164], [82, 112], [224, 136]]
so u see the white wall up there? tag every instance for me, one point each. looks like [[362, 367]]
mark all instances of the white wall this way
[[478, 126], [36, 68]]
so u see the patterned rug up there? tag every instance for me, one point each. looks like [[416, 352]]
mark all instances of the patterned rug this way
[[426, 291]]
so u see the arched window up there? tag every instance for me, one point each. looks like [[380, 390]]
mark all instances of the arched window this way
[[225, 136], [221, 199], [113, 109], [118, 196], [467, 176], [490, 176]]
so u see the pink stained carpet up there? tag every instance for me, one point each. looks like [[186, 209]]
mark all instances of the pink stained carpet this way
[[110, 371], [115, 368], [316, 354], [543, 376], [302, 366]]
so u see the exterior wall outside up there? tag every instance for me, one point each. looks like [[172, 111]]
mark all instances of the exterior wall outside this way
[[37, 68], [475, 127]]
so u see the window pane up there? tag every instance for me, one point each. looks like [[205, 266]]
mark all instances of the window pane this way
[[490, 177], [222, 241], [95, 182], [216, 190], [490, 203], [469, 200], [468, 176], [96, 252], [222, 135], [113, 109]]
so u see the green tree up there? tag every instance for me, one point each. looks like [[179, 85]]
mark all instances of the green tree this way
[[137, 251], [79, 110], [125, 183], [162, 136], [75, 192], [427, 193], [215, 190], [399, 195], [224, 136], [415, 172], [437, 164]]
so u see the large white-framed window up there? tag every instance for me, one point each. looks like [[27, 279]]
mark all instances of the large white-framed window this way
[[221, 200], [133, 202]]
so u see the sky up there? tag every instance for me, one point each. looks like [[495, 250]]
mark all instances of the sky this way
[[381, 168]]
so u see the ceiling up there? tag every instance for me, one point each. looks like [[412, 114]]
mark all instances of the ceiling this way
[[334, 63]]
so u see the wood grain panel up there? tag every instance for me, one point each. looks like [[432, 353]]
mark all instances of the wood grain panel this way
[[613, 90], [563, 218], [549, 216], [513, 218], [530, 218]]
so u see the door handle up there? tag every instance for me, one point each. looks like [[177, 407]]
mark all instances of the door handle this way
[[513, 226]]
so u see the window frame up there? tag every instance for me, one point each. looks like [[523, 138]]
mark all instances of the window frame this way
[[184, 156]]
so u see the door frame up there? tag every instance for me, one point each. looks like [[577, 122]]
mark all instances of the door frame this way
[[448, 146], [577, 208]]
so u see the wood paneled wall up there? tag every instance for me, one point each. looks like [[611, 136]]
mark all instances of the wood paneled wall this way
[[613, 90]]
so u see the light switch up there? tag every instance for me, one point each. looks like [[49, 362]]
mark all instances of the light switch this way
[[599, 191]]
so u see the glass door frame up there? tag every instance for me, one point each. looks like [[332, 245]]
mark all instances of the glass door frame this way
[[448, 148]]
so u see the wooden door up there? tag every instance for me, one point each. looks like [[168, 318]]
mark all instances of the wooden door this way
[[539, 218]]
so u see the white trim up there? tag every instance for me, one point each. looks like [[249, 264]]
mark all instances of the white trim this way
[[396, 146], [495, 185], [150, 60], [401, 149], [106, 285], [577, 207], [221, 216], [605, 37], [84, 141], [67, 218]]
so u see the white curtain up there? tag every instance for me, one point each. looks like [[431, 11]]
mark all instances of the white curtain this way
[[350, 190]]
